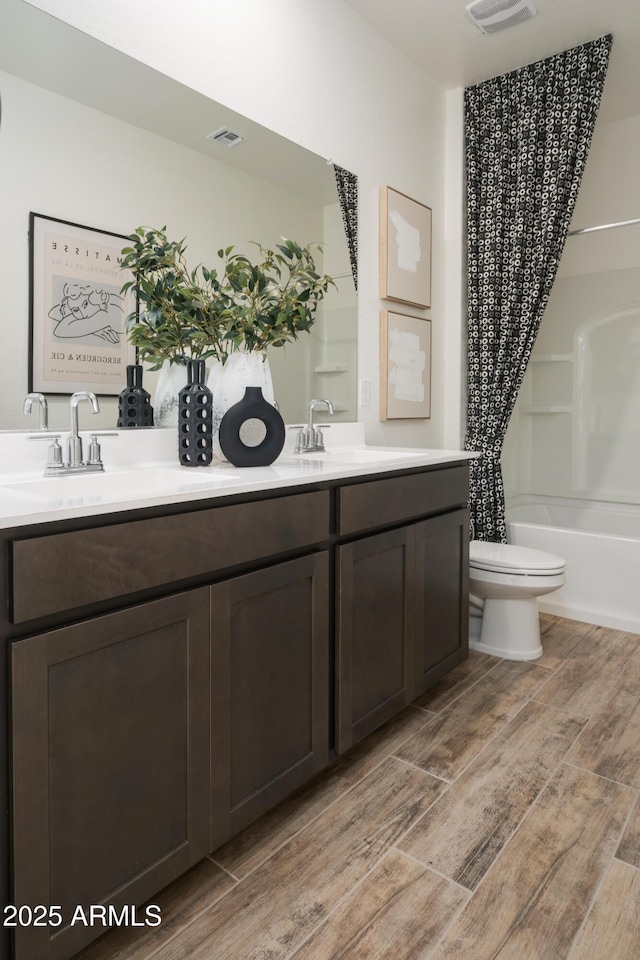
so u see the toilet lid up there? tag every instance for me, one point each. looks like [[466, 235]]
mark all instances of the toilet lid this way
[[507, 558]]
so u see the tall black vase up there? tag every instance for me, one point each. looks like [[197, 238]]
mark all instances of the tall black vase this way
[[134, 403], [195, 420], [253, 406]]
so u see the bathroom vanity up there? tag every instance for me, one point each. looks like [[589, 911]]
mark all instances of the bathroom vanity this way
[[180, 662]]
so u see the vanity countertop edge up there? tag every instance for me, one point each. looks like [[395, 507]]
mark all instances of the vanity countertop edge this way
[[180, 486]]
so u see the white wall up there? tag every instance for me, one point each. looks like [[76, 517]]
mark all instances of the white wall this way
[[317, 73], [64, 160]]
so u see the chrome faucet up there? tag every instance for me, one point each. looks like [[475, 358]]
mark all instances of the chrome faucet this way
[[310, 439], [74, 443], [44, 410], [75, 460]]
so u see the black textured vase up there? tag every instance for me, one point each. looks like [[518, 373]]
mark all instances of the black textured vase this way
[[134, 403], [253, 406], [195, 421]]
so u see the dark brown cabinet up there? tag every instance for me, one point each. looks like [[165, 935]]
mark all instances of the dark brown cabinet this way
[[149, 726], [442, 604], [402, 619], [375, 622], [269, 688], [110, 763], [146, 738]]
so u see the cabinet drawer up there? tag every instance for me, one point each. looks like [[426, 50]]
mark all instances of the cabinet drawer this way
[[379, 503], [62, 571]]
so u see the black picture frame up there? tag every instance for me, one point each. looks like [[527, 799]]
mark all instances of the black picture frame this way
[[77, 337]]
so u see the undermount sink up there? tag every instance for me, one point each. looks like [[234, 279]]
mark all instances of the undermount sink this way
[[359, 455], [116, 485]]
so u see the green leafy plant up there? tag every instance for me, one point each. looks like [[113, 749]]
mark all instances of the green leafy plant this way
[[269, 303], [201, 314], [178, 309]]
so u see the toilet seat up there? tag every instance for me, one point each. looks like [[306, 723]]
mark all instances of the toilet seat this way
[[506, 558]]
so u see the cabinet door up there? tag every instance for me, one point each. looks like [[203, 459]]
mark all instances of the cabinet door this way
[[110, 763], [269, 688], [442, 591], [375, 632]]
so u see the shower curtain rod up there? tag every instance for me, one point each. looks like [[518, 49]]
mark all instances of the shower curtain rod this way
[[603, 226]]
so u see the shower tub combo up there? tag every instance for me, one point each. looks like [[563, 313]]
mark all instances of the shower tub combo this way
[[601, 545]]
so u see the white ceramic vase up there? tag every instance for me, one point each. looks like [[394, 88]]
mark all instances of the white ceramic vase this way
[[171, 379], [228, 383]]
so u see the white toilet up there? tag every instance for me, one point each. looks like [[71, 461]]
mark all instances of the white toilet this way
[[505, 582]]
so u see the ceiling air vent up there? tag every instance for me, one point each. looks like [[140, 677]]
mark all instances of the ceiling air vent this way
[[490, 16], [226, 137]]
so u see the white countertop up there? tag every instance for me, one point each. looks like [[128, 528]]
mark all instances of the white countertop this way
[[141, 470]]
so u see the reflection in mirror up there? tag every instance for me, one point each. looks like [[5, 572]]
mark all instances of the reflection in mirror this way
[[90, 136]]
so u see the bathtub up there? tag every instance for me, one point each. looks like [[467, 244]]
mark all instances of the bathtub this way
[[601, 544]]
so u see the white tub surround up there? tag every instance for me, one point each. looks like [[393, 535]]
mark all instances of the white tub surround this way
[[141, 470], [601, 545]]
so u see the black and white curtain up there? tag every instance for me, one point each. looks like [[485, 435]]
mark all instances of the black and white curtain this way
[[528, 134], [347, 184]]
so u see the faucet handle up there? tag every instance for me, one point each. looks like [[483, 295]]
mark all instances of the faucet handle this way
[[301, 438], [320, 427], [95, 456], [54, 453]]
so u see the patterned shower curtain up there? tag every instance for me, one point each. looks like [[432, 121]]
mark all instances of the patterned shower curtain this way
[[528, 134], [347, 184]]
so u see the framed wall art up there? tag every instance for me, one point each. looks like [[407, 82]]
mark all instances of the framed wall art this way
[[77, 338], [405, 367], [405, 249]]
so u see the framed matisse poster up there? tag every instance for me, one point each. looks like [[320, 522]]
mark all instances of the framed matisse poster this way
[[77, 338], [405, 367], [405, 249]]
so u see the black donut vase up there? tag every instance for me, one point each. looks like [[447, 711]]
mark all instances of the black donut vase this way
[[253, 406]]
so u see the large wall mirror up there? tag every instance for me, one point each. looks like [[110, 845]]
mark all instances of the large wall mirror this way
[[91, 137]]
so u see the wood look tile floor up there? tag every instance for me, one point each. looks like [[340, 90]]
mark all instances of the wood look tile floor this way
[[497, 817]]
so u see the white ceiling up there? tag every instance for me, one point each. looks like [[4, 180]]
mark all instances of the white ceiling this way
[[442, 40]]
